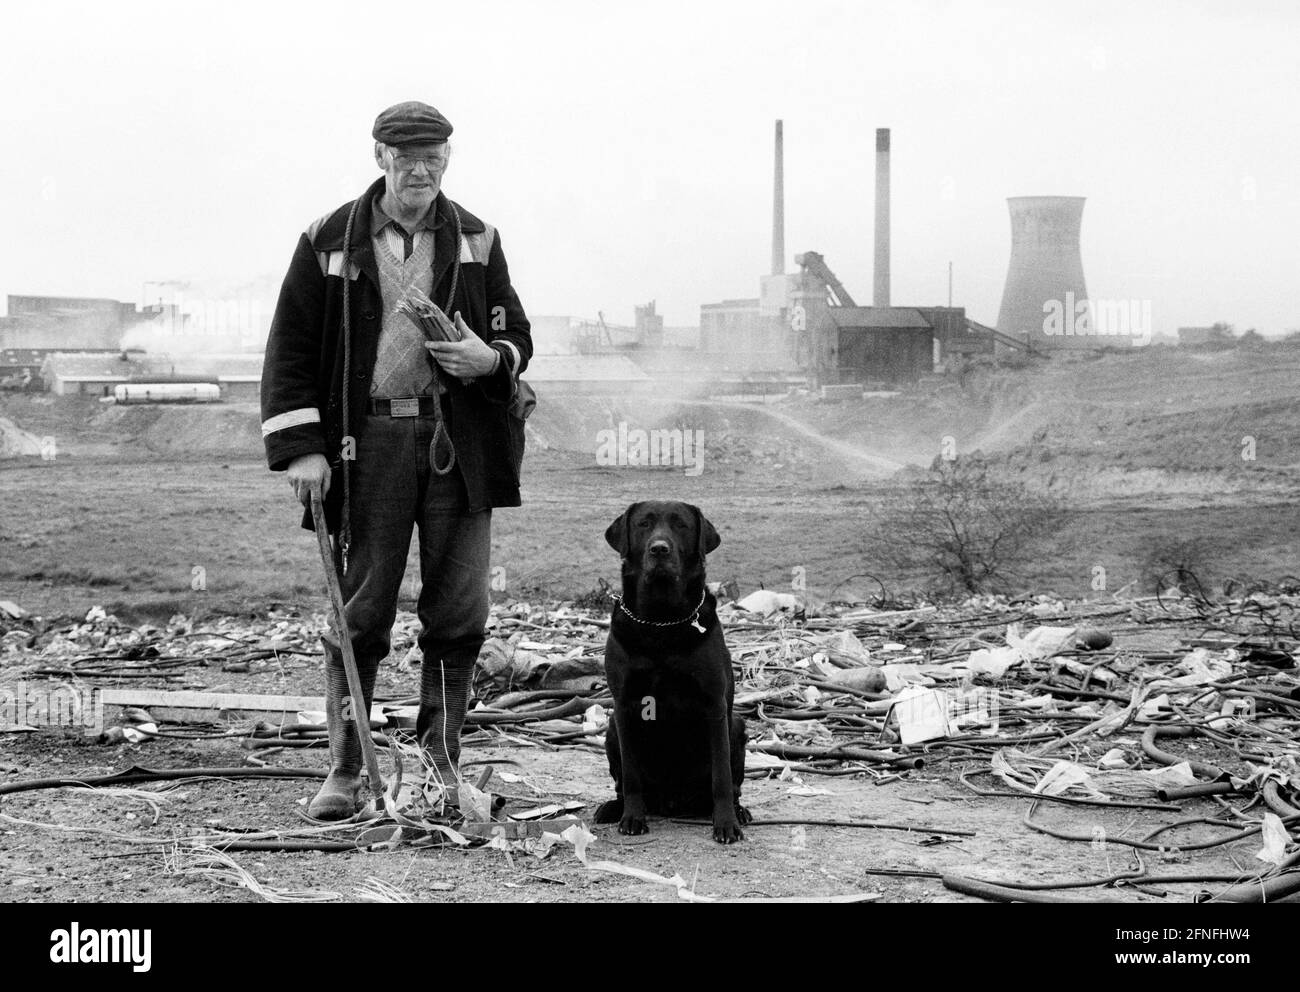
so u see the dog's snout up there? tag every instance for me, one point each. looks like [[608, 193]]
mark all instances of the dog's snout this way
[[660, 548]]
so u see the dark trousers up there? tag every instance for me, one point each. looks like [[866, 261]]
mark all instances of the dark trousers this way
[[394, 490]]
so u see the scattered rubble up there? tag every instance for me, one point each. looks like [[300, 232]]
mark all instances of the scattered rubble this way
[[1035, 700]]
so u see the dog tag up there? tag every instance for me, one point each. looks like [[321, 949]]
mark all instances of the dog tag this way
[[697, 625]]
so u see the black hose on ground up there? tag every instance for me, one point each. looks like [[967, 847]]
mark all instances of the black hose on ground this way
[[1001, 893], [1274, 801], [1192, 791], [1028, 821], [1212, 772], [914, 828], [136, 774], [1260, 890]]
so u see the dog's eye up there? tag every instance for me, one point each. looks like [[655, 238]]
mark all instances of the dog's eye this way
[[643, 523]]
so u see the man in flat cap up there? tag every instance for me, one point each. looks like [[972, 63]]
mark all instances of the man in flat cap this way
[[397, 432]]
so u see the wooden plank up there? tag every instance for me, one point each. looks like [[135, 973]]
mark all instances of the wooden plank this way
[[190, 700], [860, 615]]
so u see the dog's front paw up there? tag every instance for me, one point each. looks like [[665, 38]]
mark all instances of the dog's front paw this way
[[743, 815], [610, 811], [632, 824], [727, 831]]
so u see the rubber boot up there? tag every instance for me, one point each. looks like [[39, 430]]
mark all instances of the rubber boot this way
[[338, 796], [444, 698]]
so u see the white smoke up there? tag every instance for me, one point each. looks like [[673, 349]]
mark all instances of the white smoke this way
[[204, 316]]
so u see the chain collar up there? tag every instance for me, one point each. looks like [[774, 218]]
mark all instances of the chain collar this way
[[693, 619]]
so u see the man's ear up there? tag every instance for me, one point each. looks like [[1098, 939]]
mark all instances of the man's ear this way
[[706, 536], [379, 156], [618, 535]]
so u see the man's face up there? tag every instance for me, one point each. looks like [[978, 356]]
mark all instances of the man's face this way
[[413, 173]]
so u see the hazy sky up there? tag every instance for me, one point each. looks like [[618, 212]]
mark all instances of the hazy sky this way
[[624, 150]]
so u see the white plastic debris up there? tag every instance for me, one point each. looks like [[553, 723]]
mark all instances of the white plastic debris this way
[[1177, 776], [993, 662], [1155, 708], [1062, 776], [1276, 839], [899, 676], [594, 719], [1198, 668], [1113, 759], [844, 650], [1041, 642], [767, 602], [922, 715]]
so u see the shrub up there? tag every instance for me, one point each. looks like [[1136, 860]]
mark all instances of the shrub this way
[[969, 525]]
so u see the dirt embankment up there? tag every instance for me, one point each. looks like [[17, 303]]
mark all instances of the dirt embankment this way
[[83, 427], [1159, 421], [16, 442], [219, 429]]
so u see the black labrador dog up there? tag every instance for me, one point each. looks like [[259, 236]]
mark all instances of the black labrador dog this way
[[673, 745]]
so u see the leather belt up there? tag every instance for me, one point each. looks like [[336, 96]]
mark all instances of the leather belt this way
[[404, 406]]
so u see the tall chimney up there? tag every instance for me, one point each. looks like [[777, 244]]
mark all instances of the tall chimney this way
[[778, 207], [880, 294]]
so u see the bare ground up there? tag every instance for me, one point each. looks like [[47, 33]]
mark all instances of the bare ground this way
[[122, 520]]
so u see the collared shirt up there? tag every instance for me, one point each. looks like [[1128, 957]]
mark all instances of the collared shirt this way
[[395, 233], [396, 236]]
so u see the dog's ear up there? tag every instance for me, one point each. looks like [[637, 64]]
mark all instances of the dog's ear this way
[[706, 536], [618, 535]]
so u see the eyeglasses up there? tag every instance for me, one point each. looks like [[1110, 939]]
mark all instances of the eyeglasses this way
[[408, 162]]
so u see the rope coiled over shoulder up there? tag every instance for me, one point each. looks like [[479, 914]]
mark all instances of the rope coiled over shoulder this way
[[441, 437]]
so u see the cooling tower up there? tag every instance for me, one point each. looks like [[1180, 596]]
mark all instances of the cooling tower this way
[[1045, 300]]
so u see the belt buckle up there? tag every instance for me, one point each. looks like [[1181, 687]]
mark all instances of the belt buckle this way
[[407, 406]]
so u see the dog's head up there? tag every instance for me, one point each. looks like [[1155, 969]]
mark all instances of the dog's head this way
[[662, 540]]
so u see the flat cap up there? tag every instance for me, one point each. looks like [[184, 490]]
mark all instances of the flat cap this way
[[409, 123]]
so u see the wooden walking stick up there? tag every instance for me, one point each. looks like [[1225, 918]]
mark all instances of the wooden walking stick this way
[[360, 712]]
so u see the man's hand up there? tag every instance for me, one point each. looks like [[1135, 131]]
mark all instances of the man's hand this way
[[307, 473], [467, 358]]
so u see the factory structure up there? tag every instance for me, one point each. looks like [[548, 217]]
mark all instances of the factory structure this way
[[50, 322], [78, 346], [803, 328], [806, 323]]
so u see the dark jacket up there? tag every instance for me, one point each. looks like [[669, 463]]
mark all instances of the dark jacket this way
[[303, 372]]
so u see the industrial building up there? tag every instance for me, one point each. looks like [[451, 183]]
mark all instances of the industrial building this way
[[78, 373], [70, 323], [20, 368], [807, 323], [738, 335]]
